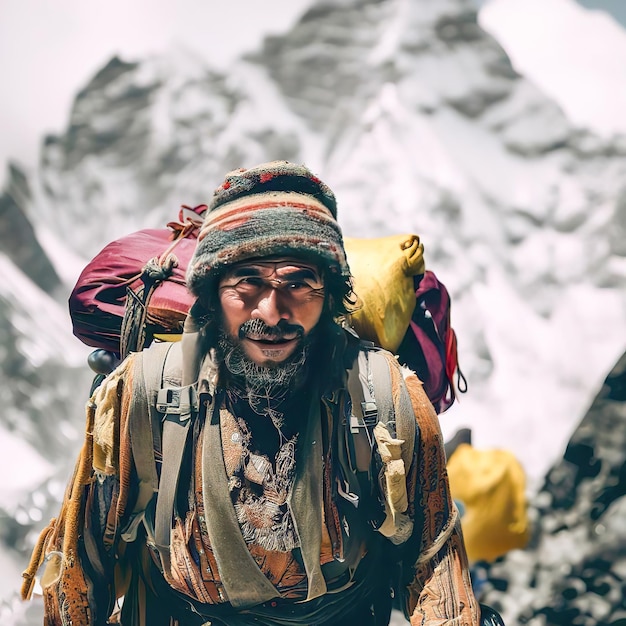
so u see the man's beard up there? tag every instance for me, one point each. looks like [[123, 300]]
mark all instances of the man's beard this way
[[265, 387]]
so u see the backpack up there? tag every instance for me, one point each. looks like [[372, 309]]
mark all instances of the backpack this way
[[430, 347], [406, 310], [133, 291], [490, 489]]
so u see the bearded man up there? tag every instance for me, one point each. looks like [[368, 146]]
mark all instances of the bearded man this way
[[257, 482]]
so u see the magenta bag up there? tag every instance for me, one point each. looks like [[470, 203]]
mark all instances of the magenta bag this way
[[135, 287], [430, 347]]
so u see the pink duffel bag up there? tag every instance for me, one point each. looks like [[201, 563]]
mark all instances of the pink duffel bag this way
[[134, 288]]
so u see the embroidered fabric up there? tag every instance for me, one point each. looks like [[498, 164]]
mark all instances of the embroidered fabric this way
[[260, 491]]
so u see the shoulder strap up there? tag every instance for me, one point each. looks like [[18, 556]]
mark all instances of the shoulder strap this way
[[370, 388], [364, 412], [401, 424], [175, 405], [395, 434], [175, 435], [144, 428]]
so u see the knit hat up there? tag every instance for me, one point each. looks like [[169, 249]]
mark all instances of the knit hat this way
[[276, 208]]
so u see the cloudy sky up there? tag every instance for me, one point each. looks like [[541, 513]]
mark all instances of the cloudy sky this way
[[49, 50]]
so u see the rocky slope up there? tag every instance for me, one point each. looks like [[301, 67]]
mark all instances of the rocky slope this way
[[17, 234], [574, 571]]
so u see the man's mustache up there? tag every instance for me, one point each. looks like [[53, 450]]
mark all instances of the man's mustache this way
[[260, 330]]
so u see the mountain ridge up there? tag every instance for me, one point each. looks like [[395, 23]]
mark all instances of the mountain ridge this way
[[433, 132]]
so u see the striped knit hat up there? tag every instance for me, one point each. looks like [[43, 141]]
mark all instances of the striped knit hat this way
[[276, 208]]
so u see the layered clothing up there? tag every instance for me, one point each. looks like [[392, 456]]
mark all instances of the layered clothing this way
[[269, 525]]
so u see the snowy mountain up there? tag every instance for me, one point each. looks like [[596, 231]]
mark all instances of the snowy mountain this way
[[420, 124], [44, 385], [416, 118], [543, 39]]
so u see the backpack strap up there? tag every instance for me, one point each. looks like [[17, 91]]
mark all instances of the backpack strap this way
[[144, 427], [401, 424], [175, 434], [364, 413], [371, 392], [160, 417], [375, 421], [175, 406]]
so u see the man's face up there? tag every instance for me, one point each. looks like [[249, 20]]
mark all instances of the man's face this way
[[269, 306]]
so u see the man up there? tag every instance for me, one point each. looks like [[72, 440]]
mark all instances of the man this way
[[267, 497]]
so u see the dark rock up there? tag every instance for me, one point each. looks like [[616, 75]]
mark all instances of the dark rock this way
[[17, 235], [576, 563]]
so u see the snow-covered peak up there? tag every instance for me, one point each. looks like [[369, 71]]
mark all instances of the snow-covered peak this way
[[40, 325], [574, 55]]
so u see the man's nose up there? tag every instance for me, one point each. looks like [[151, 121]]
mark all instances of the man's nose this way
[[270, 308]]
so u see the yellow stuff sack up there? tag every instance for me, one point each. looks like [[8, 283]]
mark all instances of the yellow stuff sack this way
[[490, 486], [383, 271]]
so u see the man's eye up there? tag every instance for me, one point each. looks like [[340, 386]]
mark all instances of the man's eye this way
[[250, 281], [295, 285]]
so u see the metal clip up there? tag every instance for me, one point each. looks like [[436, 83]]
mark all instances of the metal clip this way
[[352, 498], [355, 424], [205, 400]]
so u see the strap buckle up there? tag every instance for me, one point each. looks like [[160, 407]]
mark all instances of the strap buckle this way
[[369, 419], [178, 402], [370, 412]]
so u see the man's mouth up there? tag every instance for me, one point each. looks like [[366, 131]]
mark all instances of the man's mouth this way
[[260, 333], [273, 341]]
